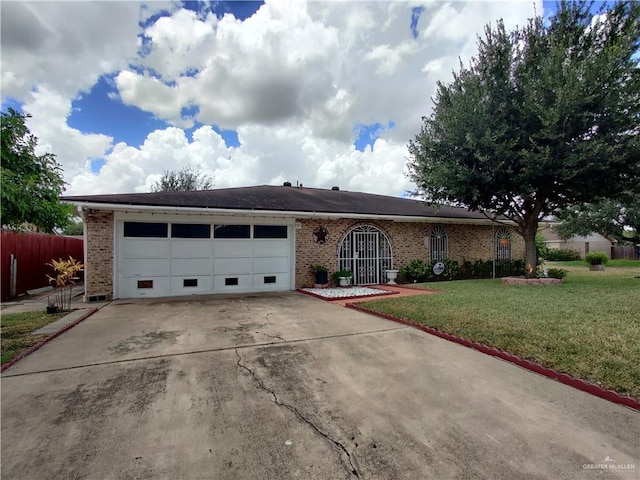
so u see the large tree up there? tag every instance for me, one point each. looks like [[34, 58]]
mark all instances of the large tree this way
[[31, 184], [618, 220], [544, 116], [186, 179]]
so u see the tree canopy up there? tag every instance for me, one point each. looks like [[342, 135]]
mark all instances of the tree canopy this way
[[186, 179], [617, 220], [31, 184], [543, 117]]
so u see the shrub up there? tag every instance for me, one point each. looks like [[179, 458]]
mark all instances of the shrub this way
[[416, 271], [597, 258], [557, 272], [541, 246], [508, 268], [452, 270], [561, 255]]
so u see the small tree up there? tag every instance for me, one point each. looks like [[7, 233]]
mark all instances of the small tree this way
[[544, 117], [186, 179], [65, 279], [31, 184]]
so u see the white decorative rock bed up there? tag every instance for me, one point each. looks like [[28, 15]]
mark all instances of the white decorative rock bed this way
[[345, 292]]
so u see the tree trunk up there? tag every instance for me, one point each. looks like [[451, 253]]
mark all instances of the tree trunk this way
[[530, 252]]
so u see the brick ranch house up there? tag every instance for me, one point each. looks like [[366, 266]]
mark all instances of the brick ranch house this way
[[264, 238]]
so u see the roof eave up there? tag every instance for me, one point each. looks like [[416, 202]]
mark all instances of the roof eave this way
[[117, 207]]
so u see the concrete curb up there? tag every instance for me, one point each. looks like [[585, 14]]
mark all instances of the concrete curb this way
[[569, 380], [38, 345], [328, 299]]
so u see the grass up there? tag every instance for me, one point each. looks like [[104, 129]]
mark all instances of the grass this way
[[16, 331], [610, 263], [589, 327]]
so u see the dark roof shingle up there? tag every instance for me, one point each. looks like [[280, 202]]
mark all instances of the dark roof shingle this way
[[283, 198]]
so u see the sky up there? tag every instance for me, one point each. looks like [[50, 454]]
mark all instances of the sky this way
[[320, 93]]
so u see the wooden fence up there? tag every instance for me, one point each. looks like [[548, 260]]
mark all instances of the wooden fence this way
[[625, 252], [32, 251]]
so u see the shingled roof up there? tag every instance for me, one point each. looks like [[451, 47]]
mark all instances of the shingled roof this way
[[281, 199]]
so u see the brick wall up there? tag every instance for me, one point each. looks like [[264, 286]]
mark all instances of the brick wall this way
[[409, 241], [99, 261]]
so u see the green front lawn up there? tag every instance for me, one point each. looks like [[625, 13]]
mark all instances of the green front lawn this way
[[589, 327], [16, 331], [610, 263]]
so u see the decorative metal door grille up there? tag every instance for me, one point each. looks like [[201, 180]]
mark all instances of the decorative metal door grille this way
[[365, 251], [503, 245], [438, 244]]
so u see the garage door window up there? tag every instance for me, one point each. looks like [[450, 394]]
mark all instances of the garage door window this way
[[190, 230], [232, 231], [144, 229], [269, 231]]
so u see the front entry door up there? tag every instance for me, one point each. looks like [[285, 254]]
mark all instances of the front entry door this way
[[366, 258], [366, 252]]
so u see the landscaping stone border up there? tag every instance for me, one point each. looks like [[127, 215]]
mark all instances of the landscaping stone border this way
[[41, 343], [532, 281], [564, 378]]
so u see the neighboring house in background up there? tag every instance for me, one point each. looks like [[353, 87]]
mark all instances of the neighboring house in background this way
[[264, 238], [594, 242]]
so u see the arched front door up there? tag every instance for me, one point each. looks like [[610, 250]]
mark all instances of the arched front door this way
[[366, 251]]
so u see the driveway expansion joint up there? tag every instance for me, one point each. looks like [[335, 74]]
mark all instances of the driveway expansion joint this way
[[352, 469]]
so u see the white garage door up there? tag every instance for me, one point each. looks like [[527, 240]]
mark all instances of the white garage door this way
[[177, 258]]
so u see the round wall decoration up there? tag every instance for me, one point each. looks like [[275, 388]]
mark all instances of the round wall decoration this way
[[320, 235]]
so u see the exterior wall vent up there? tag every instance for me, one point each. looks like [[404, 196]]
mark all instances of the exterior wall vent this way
[[335, 188]]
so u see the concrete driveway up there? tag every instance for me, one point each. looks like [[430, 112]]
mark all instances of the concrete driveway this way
[[286, 386]]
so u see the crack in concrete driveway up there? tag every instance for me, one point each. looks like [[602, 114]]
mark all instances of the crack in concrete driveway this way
[[352, 468]]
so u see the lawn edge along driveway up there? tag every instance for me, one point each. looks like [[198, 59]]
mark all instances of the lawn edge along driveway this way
[[65, 325], [564, 378]]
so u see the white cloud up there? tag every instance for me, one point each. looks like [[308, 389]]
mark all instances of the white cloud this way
[[74, 149], [293, 80], [65, 45]]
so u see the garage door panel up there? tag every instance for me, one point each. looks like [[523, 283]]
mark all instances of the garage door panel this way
[[191, 248], [271, 248], [145, 248], [224, 266], [272, 264], [232, 248], [145, 286], [191, 266], [153, 267], [189, 284]]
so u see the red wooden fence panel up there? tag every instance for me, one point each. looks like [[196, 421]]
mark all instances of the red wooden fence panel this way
[[33, 251]]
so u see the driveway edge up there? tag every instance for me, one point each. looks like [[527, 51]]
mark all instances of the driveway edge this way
[[38, 345], [564, 378]]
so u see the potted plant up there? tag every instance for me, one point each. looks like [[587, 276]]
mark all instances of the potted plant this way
[[596, 261], [342, 277], [321, 274]]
